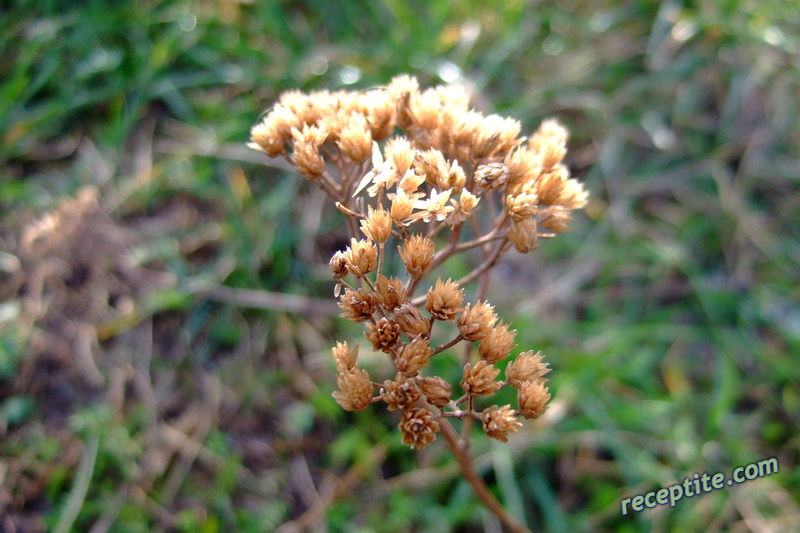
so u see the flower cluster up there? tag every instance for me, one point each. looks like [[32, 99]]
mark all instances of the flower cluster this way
[[454, 180]]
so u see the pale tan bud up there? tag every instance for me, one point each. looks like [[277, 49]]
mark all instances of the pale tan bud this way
[[384, 334], [357, 305], [378, 225], [555, 218], [521, 206], [380, 114], [355, 139], [532, 398], [528, 366], [417, 254], [344, 357], [419, 427], [495, 134], [410, 320], [400, 393], [414, 356], [523, 234], [361, 257], [268, 138], [402, 206], [477, 321], [524, 167], [400, 89], [400, 153], [479, 380], [424, 109], [498, 344], [550, 140], [355, 389], [338, 265], [284, 120], [462, 208], [444, 300], [573, 195], [490, 176], [390, 292], [550, 185], [436, 390], [308, 160], [498, 422]]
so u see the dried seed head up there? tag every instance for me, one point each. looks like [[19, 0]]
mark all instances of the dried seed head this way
[[495, 134], [523, 234], [528, 366], [344, 357], [267, 137], [498, 422], [384, 334], [444, 300], [462, 208], [358, 305], [417, 254], [355, 139], [338, 265], [479, 380], [400, 393], [573, 195], [400, 153], [532, 398], [402, 206], [411, 182], [411, 321], [436, 390], [308, 160], [390, 293], [550, 140], [498, 344], [380, 114], [419, 427], [524, 167], [355, 389], [378, 225], [555, 218], [521, 206], [550, 185], [490, 176], [361, 257], [477, 321], [414, 356], [430, 163]]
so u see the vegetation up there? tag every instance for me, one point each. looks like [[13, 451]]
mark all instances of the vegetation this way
[[165, 304]]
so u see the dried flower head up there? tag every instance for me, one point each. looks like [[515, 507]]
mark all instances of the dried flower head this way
[[477, 321], [377, 225], [400, 393], [417, 254], [390, 293], [358, 305], [344, 357], [522, 233], [436, 390], [418, 427], [413, 357], [355, 389], [384, 334], [528, 366], [479, 380], [498, 422], [411, 320], [444, 300], [361, 257], [498, 344], [532, 398]]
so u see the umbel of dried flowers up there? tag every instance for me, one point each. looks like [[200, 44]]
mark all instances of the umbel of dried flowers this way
[[421, 173]]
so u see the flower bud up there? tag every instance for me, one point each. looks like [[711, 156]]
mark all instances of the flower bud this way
[[498, 344], [344, 357], [477, 321], [417, 254], [419, 427], [436, 390], [532, 398], [390, 292], [358, 305], [400, 393], [378, 225], [384, 334], [526, 367], [411, 321], [413, 357], [479, 380], [361, 257], [355, 390], [338, 265], [523, 234], [498, 422]]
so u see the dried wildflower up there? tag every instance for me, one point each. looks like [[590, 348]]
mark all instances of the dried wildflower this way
[[400, 154], [528, 366], [358, 305], [435, 206], [267, 138], [555, 218], [524, 167], [498, 344], [436, 390], [355, 389], [498, 422], [361, 257], [390, 293], [418, 427], [400, 393], [384, 334], [411, 182], [477, 321], [402, 206], [490, 176], [417, 254], [479, 380], [355, 139], [523, 234], [550, 185], [550, 140], [532, 398], [338, 265], [444, 300], [344, 357], [462, 208], [305, 154], [414, 356], [411, 321], [521, 206], [378, 225]]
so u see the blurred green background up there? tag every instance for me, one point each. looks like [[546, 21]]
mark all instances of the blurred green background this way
[[180, 403]]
